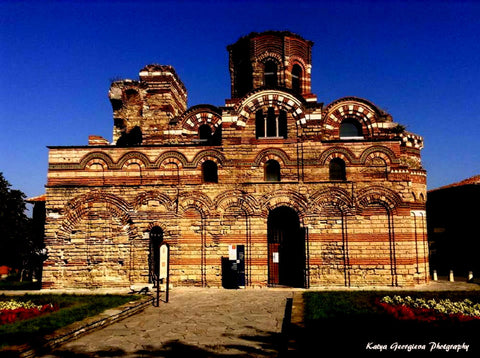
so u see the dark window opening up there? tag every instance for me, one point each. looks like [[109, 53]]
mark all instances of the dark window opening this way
[[271, 125], [131, 139], [272, 170], [297, 79], [351, 128], [210, 172], [207, 137], [217, 136], [270, 74], [282, 124], [259, 124], [205, 134], [337, 170]]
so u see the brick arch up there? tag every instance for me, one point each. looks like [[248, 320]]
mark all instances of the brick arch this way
[[196, 116], [213, 155], [270, 55], [76, 208], [163, 199], [235, 198], [331, 200], [98, 157], [133, 157], [195, 200], [163, 164], [305, 82], [168, 235], [272, 153], [177, 157], [380, 196], [269, 98], [383, 152], [352, 107], [96, 161], [284, 197], [297, 60], [337, 152]]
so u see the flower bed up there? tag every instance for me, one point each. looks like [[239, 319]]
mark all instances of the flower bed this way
[[408, 308], [12, 311]]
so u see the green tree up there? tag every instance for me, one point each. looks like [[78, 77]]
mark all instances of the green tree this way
[[16, 244]]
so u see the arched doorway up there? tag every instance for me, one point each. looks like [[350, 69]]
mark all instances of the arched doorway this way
[[286, 248], [156, 239]]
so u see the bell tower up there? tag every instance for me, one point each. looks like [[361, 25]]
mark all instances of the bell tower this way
[[272, 59]]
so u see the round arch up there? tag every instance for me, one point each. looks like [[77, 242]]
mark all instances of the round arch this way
[[265, 98]]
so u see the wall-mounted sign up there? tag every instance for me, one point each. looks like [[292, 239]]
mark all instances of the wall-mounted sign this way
[[232, 252], [163, 261]]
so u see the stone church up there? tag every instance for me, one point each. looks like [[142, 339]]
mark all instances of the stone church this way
[[315, 194]]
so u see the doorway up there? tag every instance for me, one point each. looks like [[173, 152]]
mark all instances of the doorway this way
[[156, 239], [286, 248]]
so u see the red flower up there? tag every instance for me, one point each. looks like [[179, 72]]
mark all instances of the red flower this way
[[10, 316]]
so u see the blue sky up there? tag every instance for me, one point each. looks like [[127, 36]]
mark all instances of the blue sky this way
[[418, 60]]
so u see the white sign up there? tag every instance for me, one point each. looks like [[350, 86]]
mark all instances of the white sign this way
[[163, 262], [275, 258], [232, 252]]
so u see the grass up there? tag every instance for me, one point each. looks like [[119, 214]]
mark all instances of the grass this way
[[348, 321], [17, 285], [72, 308]]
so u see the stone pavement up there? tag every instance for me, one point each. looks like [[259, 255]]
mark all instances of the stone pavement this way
[[196, 322], [211, 322]]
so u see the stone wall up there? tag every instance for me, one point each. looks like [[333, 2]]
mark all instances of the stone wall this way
[[203, 177]]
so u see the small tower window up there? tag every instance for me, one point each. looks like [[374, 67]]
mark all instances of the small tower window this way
[[297, 79], [350, 129], [272, 170], [210, 172], [337, 170], [270, 74]]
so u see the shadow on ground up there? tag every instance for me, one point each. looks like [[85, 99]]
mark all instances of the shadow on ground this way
[[261, 344], [264, 344]]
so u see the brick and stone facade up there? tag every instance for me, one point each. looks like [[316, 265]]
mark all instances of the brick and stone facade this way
[[318, 194]]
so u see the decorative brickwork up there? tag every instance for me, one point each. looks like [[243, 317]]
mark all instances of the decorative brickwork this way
[[334, 193]]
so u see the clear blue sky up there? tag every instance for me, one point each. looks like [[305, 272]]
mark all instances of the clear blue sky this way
[[418, 60]]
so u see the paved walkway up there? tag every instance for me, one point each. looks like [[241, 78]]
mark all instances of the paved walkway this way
[[195, 323], [207, 322]]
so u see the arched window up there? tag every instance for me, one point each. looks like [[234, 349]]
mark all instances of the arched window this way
[[270, 74], [350, 129], [210, 172], [272, 170], [259, 124], [337, 169], [205, 133], [282, 124], [297, 79], [273, 125]]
